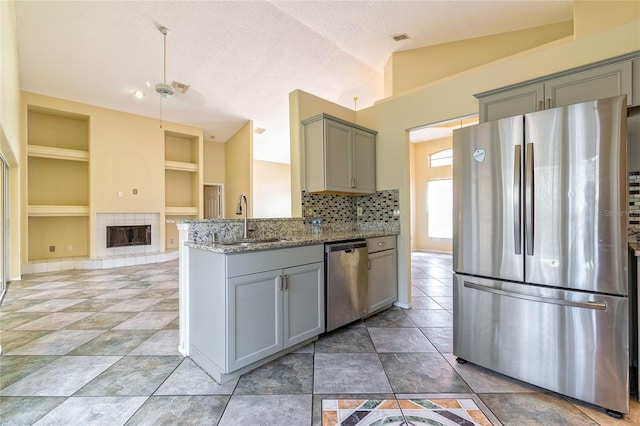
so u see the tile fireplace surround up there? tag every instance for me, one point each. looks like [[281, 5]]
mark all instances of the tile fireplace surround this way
[[122, 219], [115, 256]]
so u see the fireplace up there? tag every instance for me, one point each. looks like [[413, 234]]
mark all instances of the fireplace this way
[[125, 236], [127, 220]]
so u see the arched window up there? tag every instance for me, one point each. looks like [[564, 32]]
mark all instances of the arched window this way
[[441, 158]]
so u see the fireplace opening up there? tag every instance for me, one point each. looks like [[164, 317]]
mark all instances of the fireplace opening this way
[[125, 236]]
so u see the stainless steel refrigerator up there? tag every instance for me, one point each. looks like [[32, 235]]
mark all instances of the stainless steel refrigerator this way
[[540, 250]]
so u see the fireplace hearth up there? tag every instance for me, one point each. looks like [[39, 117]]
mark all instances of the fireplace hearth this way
[[129, 235]]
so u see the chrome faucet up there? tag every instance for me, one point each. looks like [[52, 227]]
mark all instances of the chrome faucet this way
[[239, 211]]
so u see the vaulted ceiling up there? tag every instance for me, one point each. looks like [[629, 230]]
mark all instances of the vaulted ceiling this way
[[242, 58]]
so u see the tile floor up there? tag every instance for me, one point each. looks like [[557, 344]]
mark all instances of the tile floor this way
[[100, 347]]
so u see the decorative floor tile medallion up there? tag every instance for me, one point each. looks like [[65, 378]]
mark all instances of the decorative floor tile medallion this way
[[389, 412]]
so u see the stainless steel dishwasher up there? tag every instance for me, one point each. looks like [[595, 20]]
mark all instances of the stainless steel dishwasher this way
[[347, 278]]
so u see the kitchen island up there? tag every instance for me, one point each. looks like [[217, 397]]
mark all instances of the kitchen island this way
[[245, 302]]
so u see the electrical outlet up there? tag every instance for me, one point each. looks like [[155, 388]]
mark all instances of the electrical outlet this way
[[171, 241], [359, 210], [70, 247], [396, 213], [135, 191], [52, 249], [120, 194]]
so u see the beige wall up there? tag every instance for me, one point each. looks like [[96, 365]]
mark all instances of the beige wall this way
[[416, 67], [453, 97], [592, 17], [238, 154], [271, 189], [303, 105], [214, 162], [422, 173], [10, 129], [126, 153]]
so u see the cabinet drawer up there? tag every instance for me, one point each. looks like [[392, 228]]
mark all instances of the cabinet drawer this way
[[381, 243], [267, 260]]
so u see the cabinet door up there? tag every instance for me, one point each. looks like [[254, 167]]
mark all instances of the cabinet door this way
[[521, 100], [254, 318], [603, 82], [364, 161], [338, 156], [382, 279], [303, 303]]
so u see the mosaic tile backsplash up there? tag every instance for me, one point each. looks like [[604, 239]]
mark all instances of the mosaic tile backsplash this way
[[634, 206], [338, 209]]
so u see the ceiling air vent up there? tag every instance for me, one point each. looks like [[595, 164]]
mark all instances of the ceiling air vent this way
[[180, 87], [400, 37]]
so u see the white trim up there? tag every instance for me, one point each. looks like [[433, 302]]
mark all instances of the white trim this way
[[183, 289]]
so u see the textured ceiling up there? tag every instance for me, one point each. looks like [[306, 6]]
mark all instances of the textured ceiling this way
[[242, 58]]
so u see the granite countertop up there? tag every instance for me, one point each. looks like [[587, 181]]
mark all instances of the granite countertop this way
[[290, 241]]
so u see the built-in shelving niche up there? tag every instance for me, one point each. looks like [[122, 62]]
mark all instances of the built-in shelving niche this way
[[57, 184], [182, 183]]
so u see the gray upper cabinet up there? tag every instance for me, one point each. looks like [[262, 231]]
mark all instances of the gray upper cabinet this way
[[520, 100], [598, 83], [339, 156], [554, 91]]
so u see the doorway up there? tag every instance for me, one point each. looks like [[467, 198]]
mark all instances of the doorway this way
[[213, 207], [432, 185]]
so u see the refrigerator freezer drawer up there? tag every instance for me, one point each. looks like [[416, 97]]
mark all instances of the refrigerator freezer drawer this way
[[573, 343]]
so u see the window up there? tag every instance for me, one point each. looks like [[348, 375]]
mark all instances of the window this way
[[440, 208], [441, 158]]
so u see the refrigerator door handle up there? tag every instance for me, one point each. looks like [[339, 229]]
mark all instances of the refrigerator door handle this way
[[599, 306], [517, 225], [529, 204]]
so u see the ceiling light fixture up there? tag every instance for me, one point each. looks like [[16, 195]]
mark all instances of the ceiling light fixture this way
[[138, 94], [164, 89], [259, 130]]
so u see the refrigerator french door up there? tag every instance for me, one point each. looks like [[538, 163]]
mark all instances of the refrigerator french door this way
[[540, 243]]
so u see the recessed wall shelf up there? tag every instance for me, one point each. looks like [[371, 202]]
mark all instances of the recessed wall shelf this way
[[57, 184], [181, 166], [42, 211], [181, 211], [57, 153]]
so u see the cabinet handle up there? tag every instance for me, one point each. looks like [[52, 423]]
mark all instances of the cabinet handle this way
[[369, 264], [548, 103], [353, 182], [285, 284], [539, 105]]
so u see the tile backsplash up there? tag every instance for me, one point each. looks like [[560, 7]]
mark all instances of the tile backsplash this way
[[335, 209], [634, 206]]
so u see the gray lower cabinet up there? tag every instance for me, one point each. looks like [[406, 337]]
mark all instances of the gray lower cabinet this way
[[246, 309], [274, 310], [383, 287], [551, 92]]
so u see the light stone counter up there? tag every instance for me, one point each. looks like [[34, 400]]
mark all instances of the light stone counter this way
[[303, 239]]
